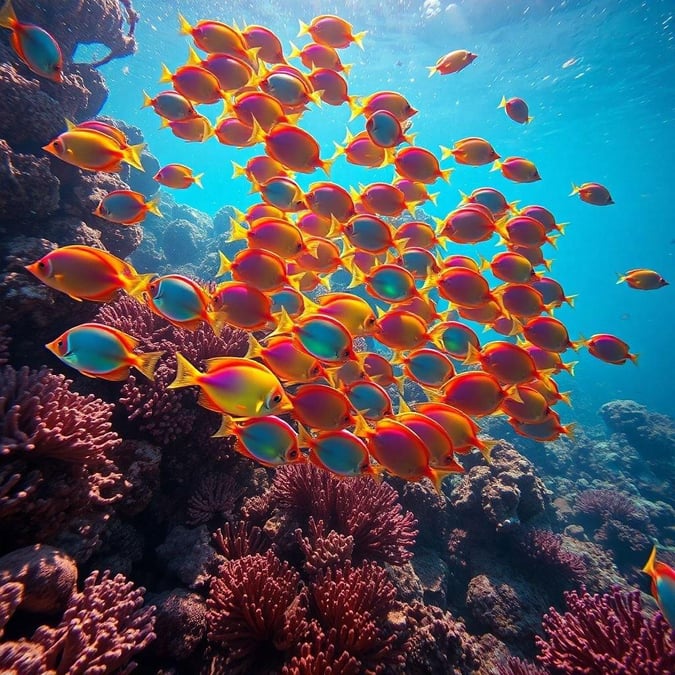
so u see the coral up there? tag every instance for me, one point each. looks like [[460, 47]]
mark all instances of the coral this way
[[608, 634], [254, 613], [323, 550], [167, 414], [215, 497], [140, 463], [103, 627], [5, 341], [360, 507], [319, 658], [23, 658], [516, 666], [48, 577], [245, 540], [55, 463], [11, 595]]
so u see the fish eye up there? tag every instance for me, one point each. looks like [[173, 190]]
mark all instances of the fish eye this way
[[346, 352], [315, 371], [41, 266], [371, 321], [292, 454], [299, 246], [276, 398], [59, 343], [58, 146]]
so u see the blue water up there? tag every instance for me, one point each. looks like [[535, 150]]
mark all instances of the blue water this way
[[599, 78]]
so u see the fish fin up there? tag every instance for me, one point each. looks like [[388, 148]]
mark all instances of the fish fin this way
[[575, 190], [132, 155], [237, 231], [436, 476], [8, 16], [403, 406], [472, 355], [197, 180], [445, 174], [184, 26], [304, 437], [255, 349], [147, 362], [649, 567], [135, 286], [237, 170], [485, 448], [358, 38], [193, 57], [147, 100], [326, 165], [217, 321], [355, 107], [358, 278], [362, 430], [153, 206], [295, 51], [503, 103], [186, 373], [224, 265], [339, 150], [167, 75], [620, 278], [304, 29], [569, 367], [118, 375], [497, 165], [433, 196], [205, 402], [285, 325], [565, 397], [228, 427], [634, 358], [432, 70], [568, 429], [445, 153]]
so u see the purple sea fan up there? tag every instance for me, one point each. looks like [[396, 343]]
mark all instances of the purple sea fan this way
[[55, 456], [606, 634], [361, 508], [102, 628], [166, 414], [255, 612]]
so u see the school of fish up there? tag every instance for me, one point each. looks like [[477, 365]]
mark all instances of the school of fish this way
[[345, 409]]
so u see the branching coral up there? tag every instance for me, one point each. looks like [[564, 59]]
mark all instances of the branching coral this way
[[103, 627], [167, 414], [367, 511], [245, 540], [323, 550], [606, 634], [55, 457], [215, 497]]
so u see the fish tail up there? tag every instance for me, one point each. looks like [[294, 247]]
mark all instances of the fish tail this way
[[347, 68], [153, 206], [634, 358], [304, 437], [497, 165], [147, 362], [132, 156], [565, 397], [649, 565], [432, 70], [568, 429], [184, 26], [295, 51], [486, 448], [166, 76], [326, 165], [238, 170], [228, 427], [136, 284], [237, 231], [255, 349], [339, 150], [193, 57], [445, 174], [355, 107], [147, 100], [445, 152], [503, 103], [436, 476], [569, 367], [621, 278], [575, 190], [197, 180], [8, 16], [304, 29], [358, 38], [186, 374], [225, 265]]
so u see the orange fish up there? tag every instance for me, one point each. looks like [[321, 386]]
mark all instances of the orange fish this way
[[609, 348], [643, 280], [322, 256], [354, 313], [315, 56], [170, 105], [367, 232], [331, 87], [383, 199], [294, 148], [549, 429], [86, 273], [469, 224], [259, 169], [391, 101], [178, 176], [340, 452], [414, 193], [126, 207], [193, 129], [549, 334], [320, 406], [544, 216], [232, 131], [330, 200], [215, 36], [257, 107], [416, 233], [283, 193], [491, 199], [457, 338], [526, 405], [510, 267], [663, 585], [401, 331], [552, 292], [242, 306], [452, 62], [369, 398], [332, 31], [525, 231], [378, 369], [231, 72], [516, 109], [521, 300], [517, 169], [264, 43], [508, 363], [473, 151], [419, 164], [361, 150], [286, 360], [464, 287], [429, 367], [194, 82], [256, 267], [592, 193], [474, 392], [273, 234]]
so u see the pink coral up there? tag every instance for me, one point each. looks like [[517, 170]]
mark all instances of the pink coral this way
[[167, 414], [215, 497], [606, 634], [55, 458], [103, 627], [242, 541]]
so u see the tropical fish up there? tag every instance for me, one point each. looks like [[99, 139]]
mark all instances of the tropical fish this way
[[609, 348], [507, 362], [340, 452], [259, 169], [331, 87], [474, 392], [473, 151], [552, 292], [464, 287], [457, 338], [490, 198], [294, 148], [241, 305], [378, 369], [272, 234], [420, 262], [257, 107], [517, 169], [548, 429], [93, 151], [126, 207], [520, 300], [544, 216], [289, 86], [416, 233], [170, 105], [215, 37], [264, 43], [234, 386], [401, 331], [510, 267], [391, 101], [385, 130], [101, 128], [516, 109], [231, 72], [256, 267], [181, 301], [592, 193], [178, 176], [414, 192], [232, 131], [354, 313], [330, 200], [643, 280], [389, 283], [332, 31], [268, 440], [361, 150], [197, 84], [315, 55], [469, 224], [102, 351], [194, 129], [286, 360], [370, 399], [283, 193], [33, 45], [526, 405], [419, 164], [320, 406], [452, 62], [428, 367], [86, 273], [549, 334], [663, 585]]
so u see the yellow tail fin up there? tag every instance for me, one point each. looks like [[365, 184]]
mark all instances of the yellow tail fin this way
[[146, 363], [147, 100], [136, 284], [186, 374], [153, 206], [228, 427], [167, 75], [184, 26], [132, 156], [198, 180], [7, 16]]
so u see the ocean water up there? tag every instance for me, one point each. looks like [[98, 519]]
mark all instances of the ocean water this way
[[599, 78]]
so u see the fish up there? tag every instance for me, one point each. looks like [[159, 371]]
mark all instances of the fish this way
[[388, 282], [378, 369], [232, 131], [414, 192], [256, 267], [294, 148], [549, 334], [548, 429], [234, 386], [517, 169], [508, 363], [332, 31], [330, 200], [468, 224], [516, 109], [283, 193], [241, 305], [331, 87], [510, 267], [194, 129], [452, 62], [428, 367], [259, 169], [385, 130], [86, 273], [663, 585], [264, 43], [643, 279], [94, 151], [491, 198], [416, 233], [320, 406], [457, 338], [170, 105], [272, 234], [420, 262], [101, 128], [526, 405], [609, 348], [544, 216], [195, 83], [472, 151], [369, 399], [551, 291], [354, 313], [268, 440], [401, 331], [215, 37], [178, 176], [231, 72], [361, 151], [521, 301], [464, 287], [33, 45], [391, 101], [256, 108], [419, 164], [474, 392], [97, 350], [592, 193], [286, 360], [315, 56], [126, 207], [340, 452], [181, 301]]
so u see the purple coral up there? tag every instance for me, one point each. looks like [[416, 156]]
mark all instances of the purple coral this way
[[606, 634], [167, 414], [367, 511], [215, 497], [55, 457], [237, 543], [324, 550], [102, 628]]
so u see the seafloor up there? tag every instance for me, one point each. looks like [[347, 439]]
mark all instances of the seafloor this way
[[130, 538]]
